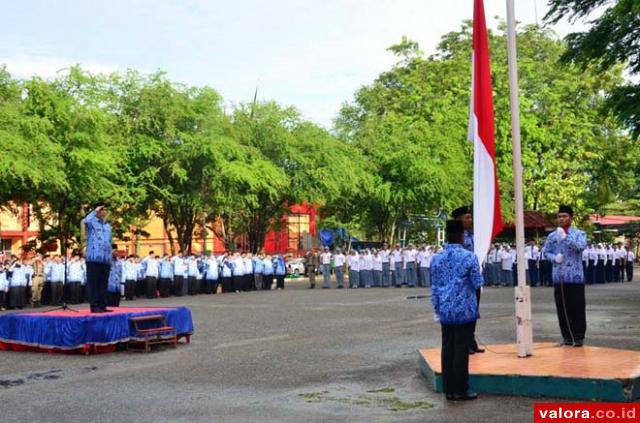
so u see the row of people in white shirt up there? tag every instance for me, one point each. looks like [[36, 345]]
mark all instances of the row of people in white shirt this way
[[373, 259]]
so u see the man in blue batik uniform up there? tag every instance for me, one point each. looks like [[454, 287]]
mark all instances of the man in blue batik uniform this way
[[455, 276], [465, 215], [564, 248], [98, 257]]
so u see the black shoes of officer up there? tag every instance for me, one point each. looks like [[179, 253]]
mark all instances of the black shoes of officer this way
[[474, 350], [469, 396]]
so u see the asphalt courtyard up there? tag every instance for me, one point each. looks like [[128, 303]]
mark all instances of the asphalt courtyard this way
[[296, 355]]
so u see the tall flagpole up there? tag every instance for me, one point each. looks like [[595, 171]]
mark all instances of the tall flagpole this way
[[523, 293]]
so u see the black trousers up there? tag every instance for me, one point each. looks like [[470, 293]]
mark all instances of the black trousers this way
[[97, 279], [178, 281], [267, 280], [151, 286], [45, 298], [165, 287], [238, 282], [590, 274], [616, 271], [130, 289], [455, 357], [57, 293], [17, 296], [194, 285], [74, 293], [608, 272], [600, 272], [473, 344], [113, 299], [280, 281], [629, 271], [570, 306], [248, 282], [227, 284]]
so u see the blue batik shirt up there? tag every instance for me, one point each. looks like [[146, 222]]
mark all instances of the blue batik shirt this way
[[468, 241], [455, 276], [115, 276], [258, 266], [570, 270], [75, 271], [166, 269], [98, 239]]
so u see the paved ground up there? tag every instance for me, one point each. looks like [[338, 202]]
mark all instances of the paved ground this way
[[291, 356]]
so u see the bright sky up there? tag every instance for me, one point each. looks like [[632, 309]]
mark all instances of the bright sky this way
[[307, 53]]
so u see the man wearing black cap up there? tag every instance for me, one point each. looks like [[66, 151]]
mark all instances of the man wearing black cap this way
[[98, 257], [564, 248], [455, 277], [464, 215]]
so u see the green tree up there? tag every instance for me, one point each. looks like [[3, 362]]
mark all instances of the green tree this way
[[612, 39]]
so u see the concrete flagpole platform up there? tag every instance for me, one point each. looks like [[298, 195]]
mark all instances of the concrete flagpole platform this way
[[558, 371]]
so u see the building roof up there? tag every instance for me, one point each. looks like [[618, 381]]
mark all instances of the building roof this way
[[613, 220], [532, 220]]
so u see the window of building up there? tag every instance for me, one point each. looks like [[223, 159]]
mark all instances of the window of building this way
[[297, 225], [5, 247]]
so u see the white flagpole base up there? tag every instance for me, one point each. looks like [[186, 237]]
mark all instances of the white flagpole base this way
[[523, 321]]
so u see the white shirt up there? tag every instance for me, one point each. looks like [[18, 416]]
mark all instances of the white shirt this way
[[339, 260], [325, 258], [354, 262], [507, 260], [377, 263], [396, 257], [384, 255]]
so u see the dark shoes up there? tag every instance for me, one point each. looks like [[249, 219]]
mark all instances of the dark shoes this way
[[475, 350], [577, 343], [469, 396]]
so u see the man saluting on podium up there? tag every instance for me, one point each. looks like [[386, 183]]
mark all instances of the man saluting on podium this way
[[98, 257], [564, 248]]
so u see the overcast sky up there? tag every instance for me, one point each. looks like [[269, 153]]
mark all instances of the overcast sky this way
[[308, 53]]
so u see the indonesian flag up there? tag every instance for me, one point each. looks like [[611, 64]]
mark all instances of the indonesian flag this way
[[487, 219]]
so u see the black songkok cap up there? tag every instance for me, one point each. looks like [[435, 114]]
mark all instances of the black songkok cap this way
[[461, 211], [565, 209], [454, 228]]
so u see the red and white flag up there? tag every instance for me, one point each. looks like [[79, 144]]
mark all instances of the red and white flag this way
[[487, 219]]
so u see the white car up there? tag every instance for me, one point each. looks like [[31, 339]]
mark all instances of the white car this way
[[295, 266]]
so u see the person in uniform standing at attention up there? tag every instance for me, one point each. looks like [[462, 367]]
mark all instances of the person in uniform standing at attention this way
[[178, 274], [629, 258], [339, 261], [602, 263], [37, 281], [377, 269], [56, 276], [311, 267], [226, 266], [17, 285], [455, 277], [192, 276], [280, 270], [166, 276], [75, 275], [258, 271], [463, 214], [211, 272], [248, 284], [4, 285], [354, 269], [608, 272], [409, 257], [129, 275], [152, 272], [564, 247], [386, 272], [267, 278], [114, 282], [397, 267], [325, 259]]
